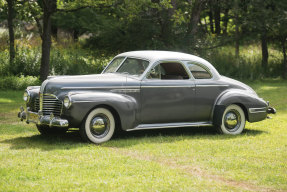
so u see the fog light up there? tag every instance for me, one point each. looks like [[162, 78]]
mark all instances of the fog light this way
[[26, 96], [67, 102]]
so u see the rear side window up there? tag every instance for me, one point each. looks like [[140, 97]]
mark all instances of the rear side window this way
[[198, 71], [168, 71]]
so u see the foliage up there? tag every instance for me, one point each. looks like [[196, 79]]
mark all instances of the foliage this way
[[16, 83], [152, 160], [248, 66], [71, 60], [192, 26]]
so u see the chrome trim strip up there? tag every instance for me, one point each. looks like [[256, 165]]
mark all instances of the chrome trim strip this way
[[107, 87], [170, 125], [51, 95], [126, 90], [258, 110], [211, 85], [167, 86]]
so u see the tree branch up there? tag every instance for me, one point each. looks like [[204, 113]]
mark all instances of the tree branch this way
[[83, 7], [73, 10], [40, 29]]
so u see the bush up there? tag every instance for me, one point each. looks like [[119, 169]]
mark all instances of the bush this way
[[247, 66], [16, 83], [63, 61]]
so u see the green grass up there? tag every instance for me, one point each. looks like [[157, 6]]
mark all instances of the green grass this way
[[185, 159]]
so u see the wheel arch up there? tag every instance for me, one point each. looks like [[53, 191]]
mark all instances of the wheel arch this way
[[244, 108], [238, 97], [111, 109], [123, 108]]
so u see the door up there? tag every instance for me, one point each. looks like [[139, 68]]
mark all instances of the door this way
[[207, 90], [167, 95]]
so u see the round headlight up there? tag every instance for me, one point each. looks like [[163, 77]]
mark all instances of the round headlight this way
[[67, 102], [26, 96]]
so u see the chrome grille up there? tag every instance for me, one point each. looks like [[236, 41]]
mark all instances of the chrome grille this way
[[51, 104], [36, 106]]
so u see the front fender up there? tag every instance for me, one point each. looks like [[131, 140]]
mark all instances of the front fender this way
[[246, 100], [83, 102]]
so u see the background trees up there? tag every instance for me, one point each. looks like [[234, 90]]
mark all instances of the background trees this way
[[194, 26]]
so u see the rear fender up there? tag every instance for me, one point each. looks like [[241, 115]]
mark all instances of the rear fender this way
[[244, 99]]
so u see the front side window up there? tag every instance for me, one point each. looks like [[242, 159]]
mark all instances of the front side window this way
[[168, 71], [114, 65], [133, 66], [198, 71]]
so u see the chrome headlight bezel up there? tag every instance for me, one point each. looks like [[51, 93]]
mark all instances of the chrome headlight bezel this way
[[26, 96], [67, 102]]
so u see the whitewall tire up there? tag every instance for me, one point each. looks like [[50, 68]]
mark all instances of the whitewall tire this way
[[233, 120], [99, 126]]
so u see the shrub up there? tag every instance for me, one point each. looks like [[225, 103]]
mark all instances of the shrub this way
[[14, 82]]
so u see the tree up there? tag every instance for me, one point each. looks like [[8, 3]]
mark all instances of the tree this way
[[10, 14], [260, 19], [49, 7], [279, 31]]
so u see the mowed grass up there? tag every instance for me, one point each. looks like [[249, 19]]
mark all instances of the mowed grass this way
[[183, 159]]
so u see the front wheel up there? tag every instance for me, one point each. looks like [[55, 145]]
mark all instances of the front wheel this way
[[233, 120], [99, 126]]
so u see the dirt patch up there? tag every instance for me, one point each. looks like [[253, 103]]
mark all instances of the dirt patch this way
[[196, 171]]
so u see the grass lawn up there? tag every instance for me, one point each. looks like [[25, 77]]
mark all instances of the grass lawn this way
[[184, 159]]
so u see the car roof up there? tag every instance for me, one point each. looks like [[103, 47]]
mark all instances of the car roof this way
[[154, 56]]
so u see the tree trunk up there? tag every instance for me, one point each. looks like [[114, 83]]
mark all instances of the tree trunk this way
[[76, 34], [48, 9], [210, 14], [11, 31], [217, 17], [194, 20], [236, 41], [284, 66], [54, 32], [237, 33], [264, 50], [225, 21]]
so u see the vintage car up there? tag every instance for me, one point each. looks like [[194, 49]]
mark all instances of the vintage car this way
[[143, 90]]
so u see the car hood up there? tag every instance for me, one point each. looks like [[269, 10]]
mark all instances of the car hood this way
[[87, 82]]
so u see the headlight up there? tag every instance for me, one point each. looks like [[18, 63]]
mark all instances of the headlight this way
[[67, 102], [26, 96]]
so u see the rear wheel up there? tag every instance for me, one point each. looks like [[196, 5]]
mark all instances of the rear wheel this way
[[233, 120], [46, 130], [99, 126]]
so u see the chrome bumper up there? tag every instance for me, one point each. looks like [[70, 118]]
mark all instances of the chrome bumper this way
[[39, 119], [271, 110]]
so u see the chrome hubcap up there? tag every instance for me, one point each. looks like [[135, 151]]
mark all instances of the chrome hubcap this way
[[232, 120], [100, 125]]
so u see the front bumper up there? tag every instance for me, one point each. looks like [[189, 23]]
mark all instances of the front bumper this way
[[40, 119], [271, 110]]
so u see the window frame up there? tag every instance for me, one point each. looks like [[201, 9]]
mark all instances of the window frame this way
[[168, 61], [200, 65], [129, 57], [112, 61]]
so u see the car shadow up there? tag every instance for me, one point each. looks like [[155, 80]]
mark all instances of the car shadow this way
[[72, 138], [65, 141], [192, 133]]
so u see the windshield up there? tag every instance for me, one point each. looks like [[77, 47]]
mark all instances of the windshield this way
[[130, 65], [114, 65]]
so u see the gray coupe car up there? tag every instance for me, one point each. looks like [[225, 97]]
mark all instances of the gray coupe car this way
[[143, 90]]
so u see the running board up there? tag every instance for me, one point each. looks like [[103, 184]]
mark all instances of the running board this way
[[170, 125]]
